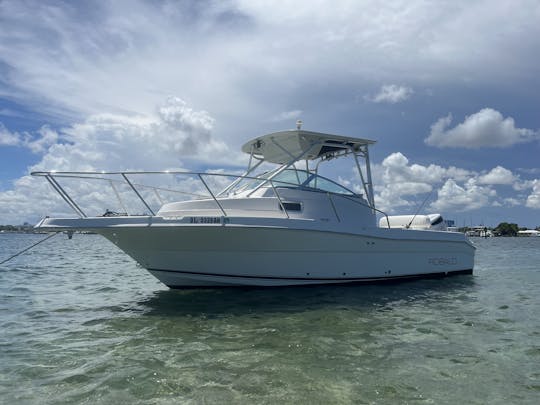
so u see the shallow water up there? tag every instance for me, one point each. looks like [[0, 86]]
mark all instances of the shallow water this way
[[80, 322]]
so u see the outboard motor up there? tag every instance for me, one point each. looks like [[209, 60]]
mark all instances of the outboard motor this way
[[437, 222], [428, 222]]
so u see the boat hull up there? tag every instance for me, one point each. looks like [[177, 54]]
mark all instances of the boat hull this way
[[184, 280], [218, 256]]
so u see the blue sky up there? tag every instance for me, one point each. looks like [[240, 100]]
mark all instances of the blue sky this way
[[449, 90]]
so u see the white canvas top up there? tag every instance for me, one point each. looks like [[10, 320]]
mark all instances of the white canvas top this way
[[282, 147]]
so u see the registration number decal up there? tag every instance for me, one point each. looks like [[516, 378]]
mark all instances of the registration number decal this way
[[205, 220]]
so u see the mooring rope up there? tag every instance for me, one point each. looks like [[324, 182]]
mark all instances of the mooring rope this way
[[28, 248]]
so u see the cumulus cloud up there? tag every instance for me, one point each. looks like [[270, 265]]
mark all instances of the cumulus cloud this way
[[399, 183], [498, 175], [116, 141], [8, 138], [533, 200], [46, 138], [37, 143], [136, 142], [513, 202], [401, 187], [396, 169], [391, 94], [165, 140], [470, 196], [530, 171], [486, 128]]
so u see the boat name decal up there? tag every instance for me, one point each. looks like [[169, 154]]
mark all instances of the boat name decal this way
[[441, 261]]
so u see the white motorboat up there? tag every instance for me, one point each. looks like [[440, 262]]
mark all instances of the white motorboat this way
[[286, 226]]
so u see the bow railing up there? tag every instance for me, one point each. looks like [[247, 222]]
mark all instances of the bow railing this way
[[199, 185]]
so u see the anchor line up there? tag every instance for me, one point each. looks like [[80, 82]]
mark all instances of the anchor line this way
[[418, 210], [28, 248]]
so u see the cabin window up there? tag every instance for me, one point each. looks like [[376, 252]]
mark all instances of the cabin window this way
[[291, 206], [437, 221]]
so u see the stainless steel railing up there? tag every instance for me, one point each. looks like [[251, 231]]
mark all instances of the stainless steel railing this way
[[122, 178]]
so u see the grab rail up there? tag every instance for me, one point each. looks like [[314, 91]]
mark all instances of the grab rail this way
[[138, 194], [64, 195], [212, 194], [52, 176]]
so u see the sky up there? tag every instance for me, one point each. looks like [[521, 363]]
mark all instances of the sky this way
[[448, 89]]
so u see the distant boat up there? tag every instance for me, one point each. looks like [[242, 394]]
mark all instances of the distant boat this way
[[287, 226], [480, 231], [529, 232]]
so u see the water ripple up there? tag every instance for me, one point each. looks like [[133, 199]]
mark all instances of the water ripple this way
[[80, 322]]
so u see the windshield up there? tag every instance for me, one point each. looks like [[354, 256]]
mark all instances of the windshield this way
[[305, 179]]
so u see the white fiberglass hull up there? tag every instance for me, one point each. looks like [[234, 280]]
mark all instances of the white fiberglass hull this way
[[260, 252], [198, 256]]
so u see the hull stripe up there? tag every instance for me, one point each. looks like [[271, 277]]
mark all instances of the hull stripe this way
[[341, 279]]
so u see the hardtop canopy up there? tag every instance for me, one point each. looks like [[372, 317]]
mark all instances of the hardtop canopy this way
[[286, 146]]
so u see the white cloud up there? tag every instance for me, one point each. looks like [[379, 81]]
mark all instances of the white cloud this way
[[246, 58], [401, 187], [286, 116], [36, 143], [115, 143], [175, 128], [513, 202], [47, 137], [470, 196], [533, 200], [398, 183], [122, 142], [523, 185], [498, 175], [396, 169], [8, 138], [391, 94], [532, 171], [486, 128]]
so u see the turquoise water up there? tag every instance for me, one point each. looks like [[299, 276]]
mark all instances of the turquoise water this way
[[81, 323]]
